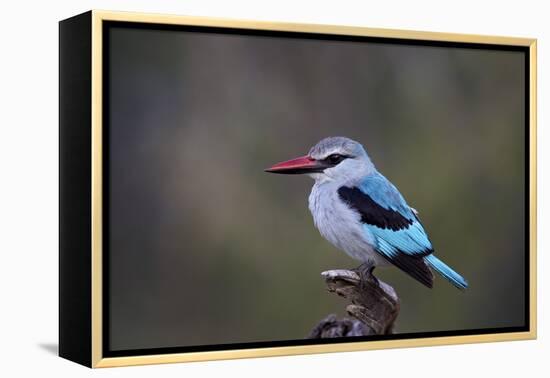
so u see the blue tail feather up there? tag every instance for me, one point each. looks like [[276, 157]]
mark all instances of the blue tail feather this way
[[446, 271]]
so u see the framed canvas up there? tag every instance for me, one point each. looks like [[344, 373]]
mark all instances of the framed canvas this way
[[236, 189]]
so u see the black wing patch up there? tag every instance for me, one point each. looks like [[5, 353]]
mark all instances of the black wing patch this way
[[371, 212], [414, 266]]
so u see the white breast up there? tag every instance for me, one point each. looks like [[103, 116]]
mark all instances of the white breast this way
[[341, 225]]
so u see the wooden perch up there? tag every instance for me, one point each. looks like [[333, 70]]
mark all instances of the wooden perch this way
[[374, 306]]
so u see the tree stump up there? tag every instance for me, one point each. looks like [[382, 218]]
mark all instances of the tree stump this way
[[373, 309]]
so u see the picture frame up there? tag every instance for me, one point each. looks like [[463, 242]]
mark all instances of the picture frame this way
[[84, 106]]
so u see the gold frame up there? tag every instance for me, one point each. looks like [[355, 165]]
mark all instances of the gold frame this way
[[97, 196]]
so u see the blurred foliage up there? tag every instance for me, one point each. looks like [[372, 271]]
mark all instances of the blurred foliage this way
[[206, 248]]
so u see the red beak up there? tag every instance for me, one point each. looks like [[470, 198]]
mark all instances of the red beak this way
[[303, 164]]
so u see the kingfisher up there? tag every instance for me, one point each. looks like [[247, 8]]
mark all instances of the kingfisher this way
[[361, 212]]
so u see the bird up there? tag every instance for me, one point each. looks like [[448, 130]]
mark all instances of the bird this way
[[362, 213]]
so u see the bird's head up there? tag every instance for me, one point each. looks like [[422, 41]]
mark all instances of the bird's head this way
[[332, 159]]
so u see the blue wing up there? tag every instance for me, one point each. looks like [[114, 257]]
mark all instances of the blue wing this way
[[397, 231]]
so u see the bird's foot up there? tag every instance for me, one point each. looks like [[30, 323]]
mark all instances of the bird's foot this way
[[366, 276]]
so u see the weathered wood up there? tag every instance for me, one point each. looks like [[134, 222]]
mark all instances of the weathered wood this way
[[374, 306]]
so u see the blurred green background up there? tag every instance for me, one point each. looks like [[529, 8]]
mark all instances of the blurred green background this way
[[206, 248]]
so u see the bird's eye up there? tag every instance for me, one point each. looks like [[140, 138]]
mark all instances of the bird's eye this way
[[335, 158]]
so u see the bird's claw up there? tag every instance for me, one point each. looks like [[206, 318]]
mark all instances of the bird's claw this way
[[366, 276]]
